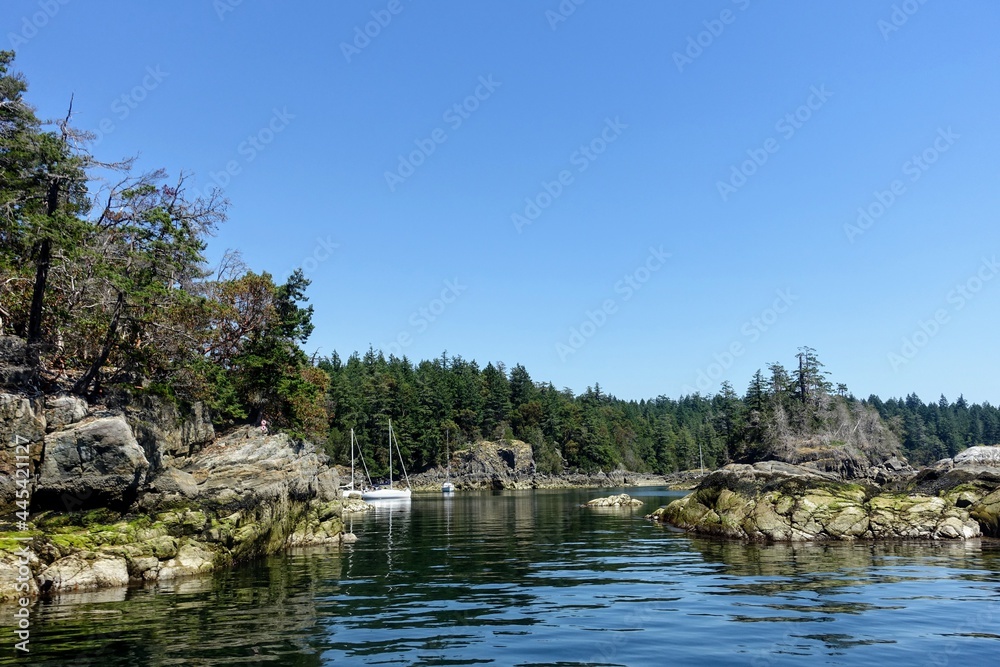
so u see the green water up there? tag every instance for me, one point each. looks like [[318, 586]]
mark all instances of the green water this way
[[530, 578]]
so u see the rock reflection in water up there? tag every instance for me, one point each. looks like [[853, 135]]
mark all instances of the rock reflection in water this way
[[532, 578], [264, 612]]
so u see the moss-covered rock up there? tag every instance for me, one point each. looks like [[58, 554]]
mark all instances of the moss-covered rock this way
[[245, 496], [786, 503]]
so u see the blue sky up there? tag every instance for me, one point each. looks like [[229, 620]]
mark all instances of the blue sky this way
[[652, 196]]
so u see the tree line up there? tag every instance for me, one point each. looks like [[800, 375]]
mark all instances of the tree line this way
[[453, 400], [103, 272]]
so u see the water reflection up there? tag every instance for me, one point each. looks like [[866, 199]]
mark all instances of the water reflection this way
[[532, 578], [260, 613]]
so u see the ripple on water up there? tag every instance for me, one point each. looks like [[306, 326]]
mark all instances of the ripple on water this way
[[532, 579]]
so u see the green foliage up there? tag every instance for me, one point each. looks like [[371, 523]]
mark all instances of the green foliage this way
[[120, 296], [585, 432], [933, 431]]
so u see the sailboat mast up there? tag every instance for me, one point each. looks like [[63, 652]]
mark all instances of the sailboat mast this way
[[390, 453], [352, 459]]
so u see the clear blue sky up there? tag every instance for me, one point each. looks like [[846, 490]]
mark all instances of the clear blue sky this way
[[667, 126]]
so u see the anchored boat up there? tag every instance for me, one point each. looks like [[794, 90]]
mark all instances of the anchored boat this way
[[388, 492]]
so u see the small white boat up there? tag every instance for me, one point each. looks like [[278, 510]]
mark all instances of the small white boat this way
[[388, 492], [447, 487]]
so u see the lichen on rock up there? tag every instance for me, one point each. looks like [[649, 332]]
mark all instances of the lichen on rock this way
[[202, 506], [780, 502]]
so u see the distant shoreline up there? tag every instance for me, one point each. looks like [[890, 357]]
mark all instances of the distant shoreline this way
[[430, 482]]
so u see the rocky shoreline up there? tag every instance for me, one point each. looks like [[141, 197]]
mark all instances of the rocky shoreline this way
[[139, 490], [509, 464], [142, 492], [773, 501]]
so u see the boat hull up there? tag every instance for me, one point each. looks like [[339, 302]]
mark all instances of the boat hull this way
[[385, 494]]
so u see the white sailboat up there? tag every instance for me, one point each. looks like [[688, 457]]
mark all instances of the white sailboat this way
[[351, 489], [388, 492], [448, 486]]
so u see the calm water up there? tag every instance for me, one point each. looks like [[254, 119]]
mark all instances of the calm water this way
[[529, 578]]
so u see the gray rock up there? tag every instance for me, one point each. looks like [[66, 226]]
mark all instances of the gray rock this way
[[782, 503], [501, 464], [196, 428], [13, 351], [12, 575], [174, 482], [78, 572], [327, 485], [22, 421], [21, 416], [89, 464], [622, 500], [247, 468], [62, 411], [164, 432], [980, 455], [191, 558], [897, 465], [243, 496]]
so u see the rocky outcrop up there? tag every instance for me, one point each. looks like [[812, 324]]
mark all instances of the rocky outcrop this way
[[510, 464], [91, 464], [78, 571], [103, 514], [22, 417], [244, 496], [61, 411], [621, 500], [853, 443], [165, 431], [979, 456], [775, 501], [246, 468], [22, 422], [971, 481], [494, 465]]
